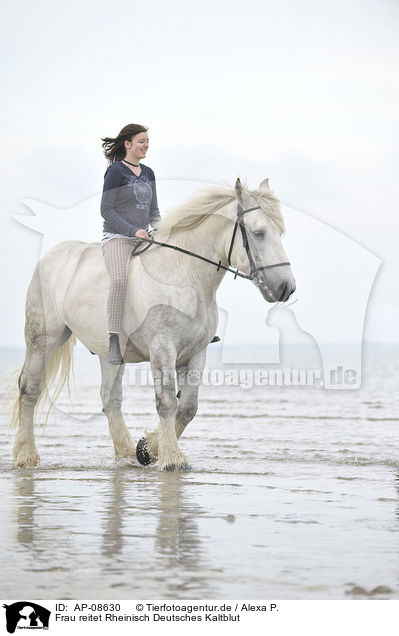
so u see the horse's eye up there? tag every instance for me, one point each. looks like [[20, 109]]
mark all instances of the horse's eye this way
[[259, 234]]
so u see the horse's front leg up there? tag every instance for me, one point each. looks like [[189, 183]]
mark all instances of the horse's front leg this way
[[163, 364], [188, 379]]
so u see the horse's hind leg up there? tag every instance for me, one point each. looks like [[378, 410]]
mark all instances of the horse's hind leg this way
[[39, 350], [111, 396], [44, 334], [29, 384]]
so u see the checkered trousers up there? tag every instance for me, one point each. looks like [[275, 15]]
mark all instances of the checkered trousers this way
[[117, 253]]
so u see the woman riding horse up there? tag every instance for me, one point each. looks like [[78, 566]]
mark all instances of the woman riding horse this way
[[128, 206]]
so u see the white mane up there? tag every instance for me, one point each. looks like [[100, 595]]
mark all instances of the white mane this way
[[209, 200]]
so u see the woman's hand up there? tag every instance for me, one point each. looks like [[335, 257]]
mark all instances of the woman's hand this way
[[142, 234]]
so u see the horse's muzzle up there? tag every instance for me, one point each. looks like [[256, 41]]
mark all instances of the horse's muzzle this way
[[274, 293]]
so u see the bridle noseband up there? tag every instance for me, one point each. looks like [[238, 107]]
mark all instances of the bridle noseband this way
[[239, 222]]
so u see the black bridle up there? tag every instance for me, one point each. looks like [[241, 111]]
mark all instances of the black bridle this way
[[239, 223]]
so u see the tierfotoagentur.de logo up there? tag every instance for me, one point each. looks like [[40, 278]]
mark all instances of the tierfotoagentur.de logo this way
[[26, 615]]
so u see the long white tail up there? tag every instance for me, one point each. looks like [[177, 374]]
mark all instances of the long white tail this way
[[60, 364]]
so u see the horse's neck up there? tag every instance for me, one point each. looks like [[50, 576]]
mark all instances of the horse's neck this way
[[206, 240]]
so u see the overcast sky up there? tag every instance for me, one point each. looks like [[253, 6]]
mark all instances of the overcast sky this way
[[305, 93]]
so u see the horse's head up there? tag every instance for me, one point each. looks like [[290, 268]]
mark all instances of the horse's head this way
[[256, 247]]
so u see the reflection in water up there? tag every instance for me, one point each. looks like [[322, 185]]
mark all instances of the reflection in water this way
[[114, 509], [24, 489], [177, 537], [397, 489], [175, 557], [138, 528]]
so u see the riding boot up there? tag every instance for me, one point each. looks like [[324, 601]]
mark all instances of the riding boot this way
[[115, 356]]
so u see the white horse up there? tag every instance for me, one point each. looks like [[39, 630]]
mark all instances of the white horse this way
[[170, 313]]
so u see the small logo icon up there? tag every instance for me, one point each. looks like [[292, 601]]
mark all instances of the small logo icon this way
[[26, 615]]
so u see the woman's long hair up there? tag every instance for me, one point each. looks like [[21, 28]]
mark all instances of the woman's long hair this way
[[114, 147]]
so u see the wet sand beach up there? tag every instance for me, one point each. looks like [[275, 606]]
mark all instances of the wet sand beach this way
[[292, 494]]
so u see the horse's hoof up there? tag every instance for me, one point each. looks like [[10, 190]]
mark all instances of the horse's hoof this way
[[26, 457], [175, 467], [142, 454], [27, 462]]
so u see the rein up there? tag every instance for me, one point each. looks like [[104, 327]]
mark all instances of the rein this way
[[239, 223]]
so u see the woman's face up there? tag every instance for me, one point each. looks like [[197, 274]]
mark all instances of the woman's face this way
[[138, 146]]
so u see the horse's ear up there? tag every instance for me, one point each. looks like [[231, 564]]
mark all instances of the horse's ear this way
[[239, 191], [264, 185]]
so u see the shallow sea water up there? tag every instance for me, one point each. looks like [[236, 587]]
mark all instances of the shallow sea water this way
[[292, 494]]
